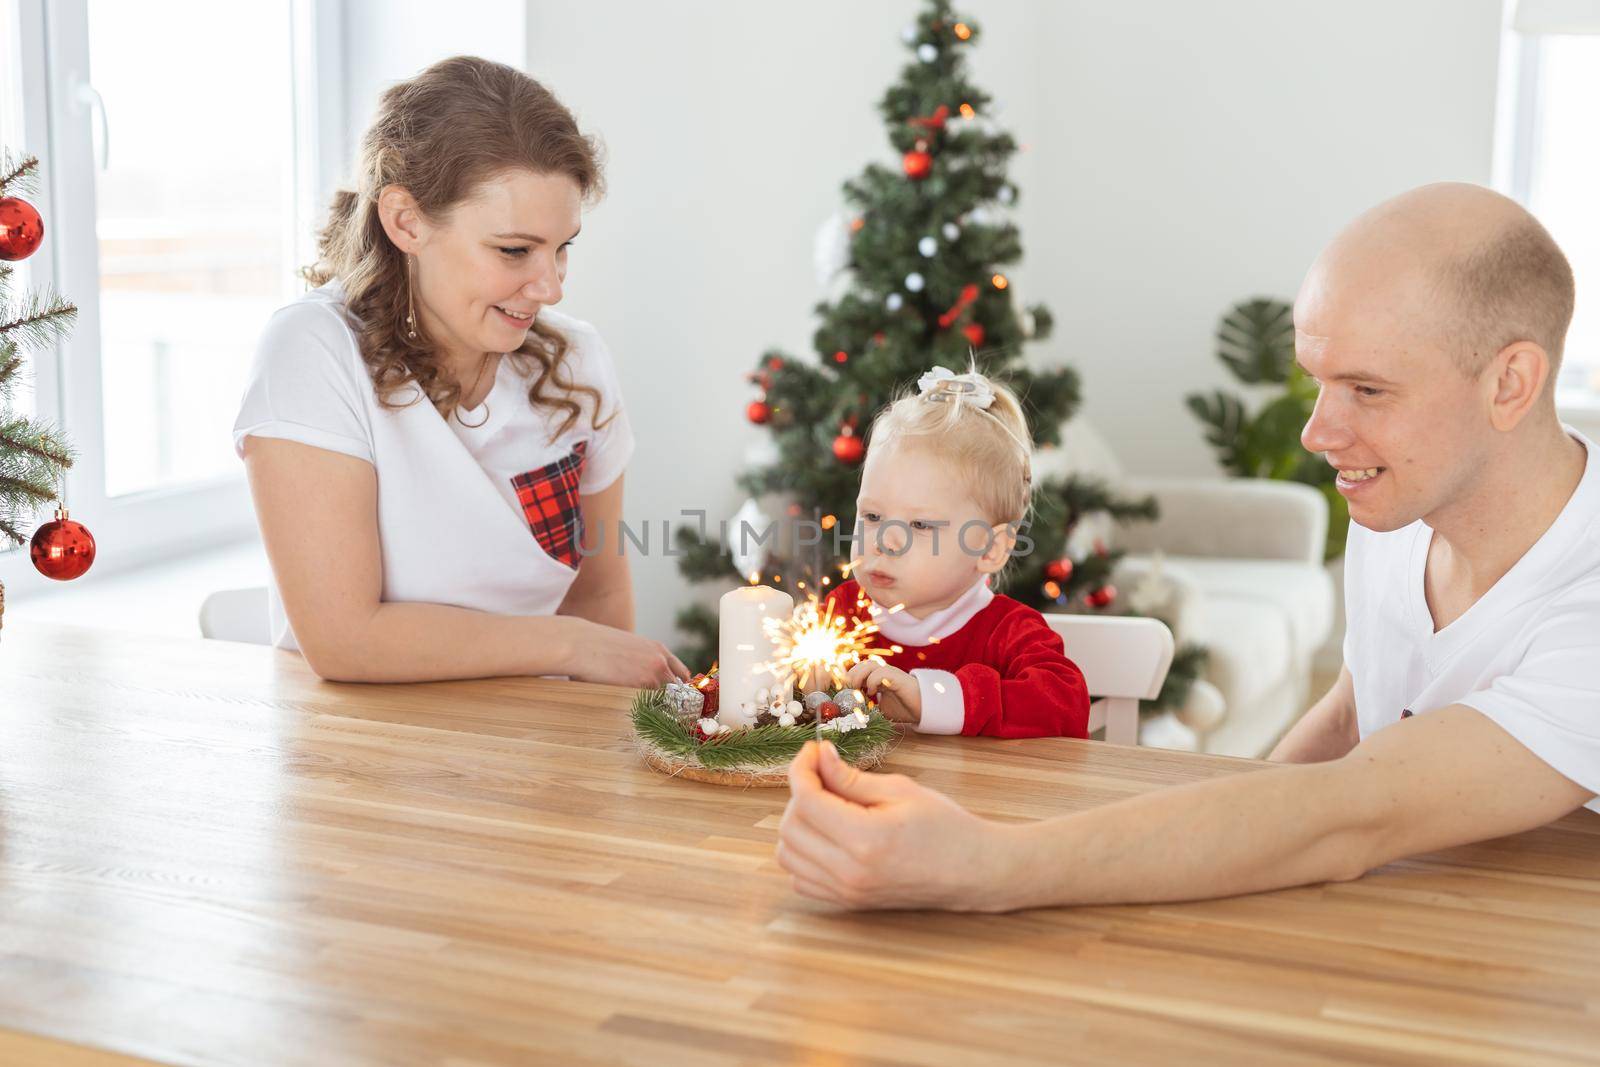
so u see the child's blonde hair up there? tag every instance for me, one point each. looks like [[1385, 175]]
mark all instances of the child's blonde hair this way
[[991, 445]]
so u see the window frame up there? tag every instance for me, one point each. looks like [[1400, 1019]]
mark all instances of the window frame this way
[[1518, 129]]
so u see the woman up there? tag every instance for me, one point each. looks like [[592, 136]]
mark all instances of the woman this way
[[427, 442]]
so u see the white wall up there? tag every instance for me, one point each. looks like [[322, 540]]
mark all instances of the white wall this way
[[1182, 156]]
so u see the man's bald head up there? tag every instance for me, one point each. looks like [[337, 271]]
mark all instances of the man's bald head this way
[[1488, 274]]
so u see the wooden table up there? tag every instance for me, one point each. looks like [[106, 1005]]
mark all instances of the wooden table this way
[[208, 856]]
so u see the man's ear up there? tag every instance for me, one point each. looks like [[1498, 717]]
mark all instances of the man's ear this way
[[1002, 538], [402, 219], [1519, 375]]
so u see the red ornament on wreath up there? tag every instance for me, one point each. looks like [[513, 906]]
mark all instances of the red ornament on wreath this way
[[62, 549], [974, 334], [707, 684], [758, 412], [1058, 570], [21, 228], [848, 448], [917, 164], [1102, 597]]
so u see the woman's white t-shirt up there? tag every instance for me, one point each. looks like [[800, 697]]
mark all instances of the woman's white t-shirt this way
[[481, 517], [1526, 654]]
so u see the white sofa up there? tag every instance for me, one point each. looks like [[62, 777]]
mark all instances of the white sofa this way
[[1240, 561], [1246, 558]]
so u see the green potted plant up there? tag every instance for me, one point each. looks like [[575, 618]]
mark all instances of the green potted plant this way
[[1255, 341]]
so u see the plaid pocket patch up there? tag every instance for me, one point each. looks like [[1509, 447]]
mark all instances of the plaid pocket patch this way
[[549, 498]]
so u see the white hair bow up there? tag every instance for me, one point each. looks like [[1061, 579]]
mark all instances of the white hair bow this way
[[943, 386]]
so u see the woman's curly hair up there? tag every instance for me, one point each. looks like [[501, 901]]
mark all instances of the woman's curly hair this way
[[439, 136]]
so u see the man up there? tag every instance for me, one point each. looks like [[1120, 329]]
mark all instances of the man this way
[[1469, 706]]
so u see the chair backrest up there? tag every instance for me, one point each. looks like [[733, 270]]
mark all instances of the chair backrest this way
[[1124, 660], [237, 615]]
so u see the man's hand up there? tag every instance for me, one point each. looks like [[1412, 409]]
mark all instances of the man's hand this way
[[899, 695], [883, 841]]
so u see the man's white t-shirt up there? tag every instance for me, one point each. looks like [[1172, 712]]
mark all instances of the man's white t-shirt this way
[[481, 517], [1526, 654]]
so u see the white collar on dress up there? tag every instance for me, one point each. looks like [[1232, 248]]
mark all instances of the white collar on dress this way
[[904, 628]]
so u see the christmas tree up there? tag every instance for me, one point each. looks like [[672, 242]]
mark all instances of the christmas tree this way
[[921, 251], [33, 454]]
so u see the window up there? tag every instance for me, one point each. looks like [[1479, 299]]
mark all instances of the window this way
[[1549, 157], [180, 144], [195, 215]]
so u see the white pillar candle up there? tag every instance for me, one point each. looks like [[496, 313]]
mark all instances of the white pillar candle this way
[[743, 646]]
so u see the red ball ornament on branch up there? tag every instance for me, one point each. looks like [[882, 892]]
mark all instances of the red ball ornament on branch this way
[[848, 448], [917, 164], [1102, 597], [21, 228], [1058, 570], [758, 412], [974, 334], [62, 549]]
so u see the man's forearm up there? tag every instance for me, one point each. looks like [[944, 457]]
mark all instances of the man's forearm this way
[[1253, 831]]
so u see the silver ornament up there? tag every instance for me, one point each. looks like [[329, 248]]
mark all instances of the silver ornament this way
[[927, 53], [849, 699], [816, 700], [893, 301], [914, 282], [685, 700], [951, 231], [928, 246]]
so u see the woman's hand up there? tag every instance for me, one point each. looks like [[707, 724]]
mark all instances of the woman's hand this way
[[617, 657]]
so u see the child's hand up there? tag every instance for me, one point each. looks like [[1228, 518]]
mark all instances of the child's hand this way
[[899, 695]]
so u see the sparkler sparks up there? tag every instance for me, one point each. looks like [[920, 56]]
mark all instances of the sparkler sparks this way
[[814, 643]]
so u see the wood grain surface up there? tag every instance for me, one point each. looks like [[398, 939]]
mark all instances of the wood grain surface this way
[[209, 856]]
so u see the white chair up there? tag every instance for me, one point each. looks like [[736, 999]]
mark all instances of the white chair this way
[[1123, 660], [237, 615]]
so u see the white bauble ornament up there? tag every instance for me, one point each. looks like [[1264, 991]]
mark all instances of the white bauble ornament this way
[[915, 282], [830, 250], [894, 301], [909, 34], [785, 720], [951, 231], [927, 53], [1005, 194], [927, 246]]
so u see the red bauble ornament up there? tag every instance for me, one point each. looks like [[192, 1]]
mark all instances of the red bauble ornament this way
[[62, 549], [827, 711], [974, 333], [1102, 597], [758, 412], [708, 688], [848, 448], [917, 164], [1058, 570], [21, 228]]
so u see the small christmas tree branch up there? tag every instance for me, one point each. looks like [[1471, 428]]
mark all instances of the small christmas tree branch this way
[[10, 531], [18, 175], [21, 436], [25, 490], [41, 321]]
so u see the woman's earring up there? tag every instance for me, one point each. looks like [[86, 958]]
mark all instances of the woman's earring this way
[[411, 301]]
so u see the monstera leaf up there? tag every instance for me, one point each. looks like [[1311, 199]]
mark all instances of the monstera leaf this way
[[1256, 340], [1225, 421]]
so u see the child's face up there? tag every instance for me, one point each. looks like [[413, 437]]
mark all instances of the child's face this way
[[923, 541]]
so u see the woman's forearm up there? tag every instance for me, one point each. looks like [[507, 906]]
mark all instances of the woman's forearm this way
[[401, 642], [608, 607], [1246, 833]]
